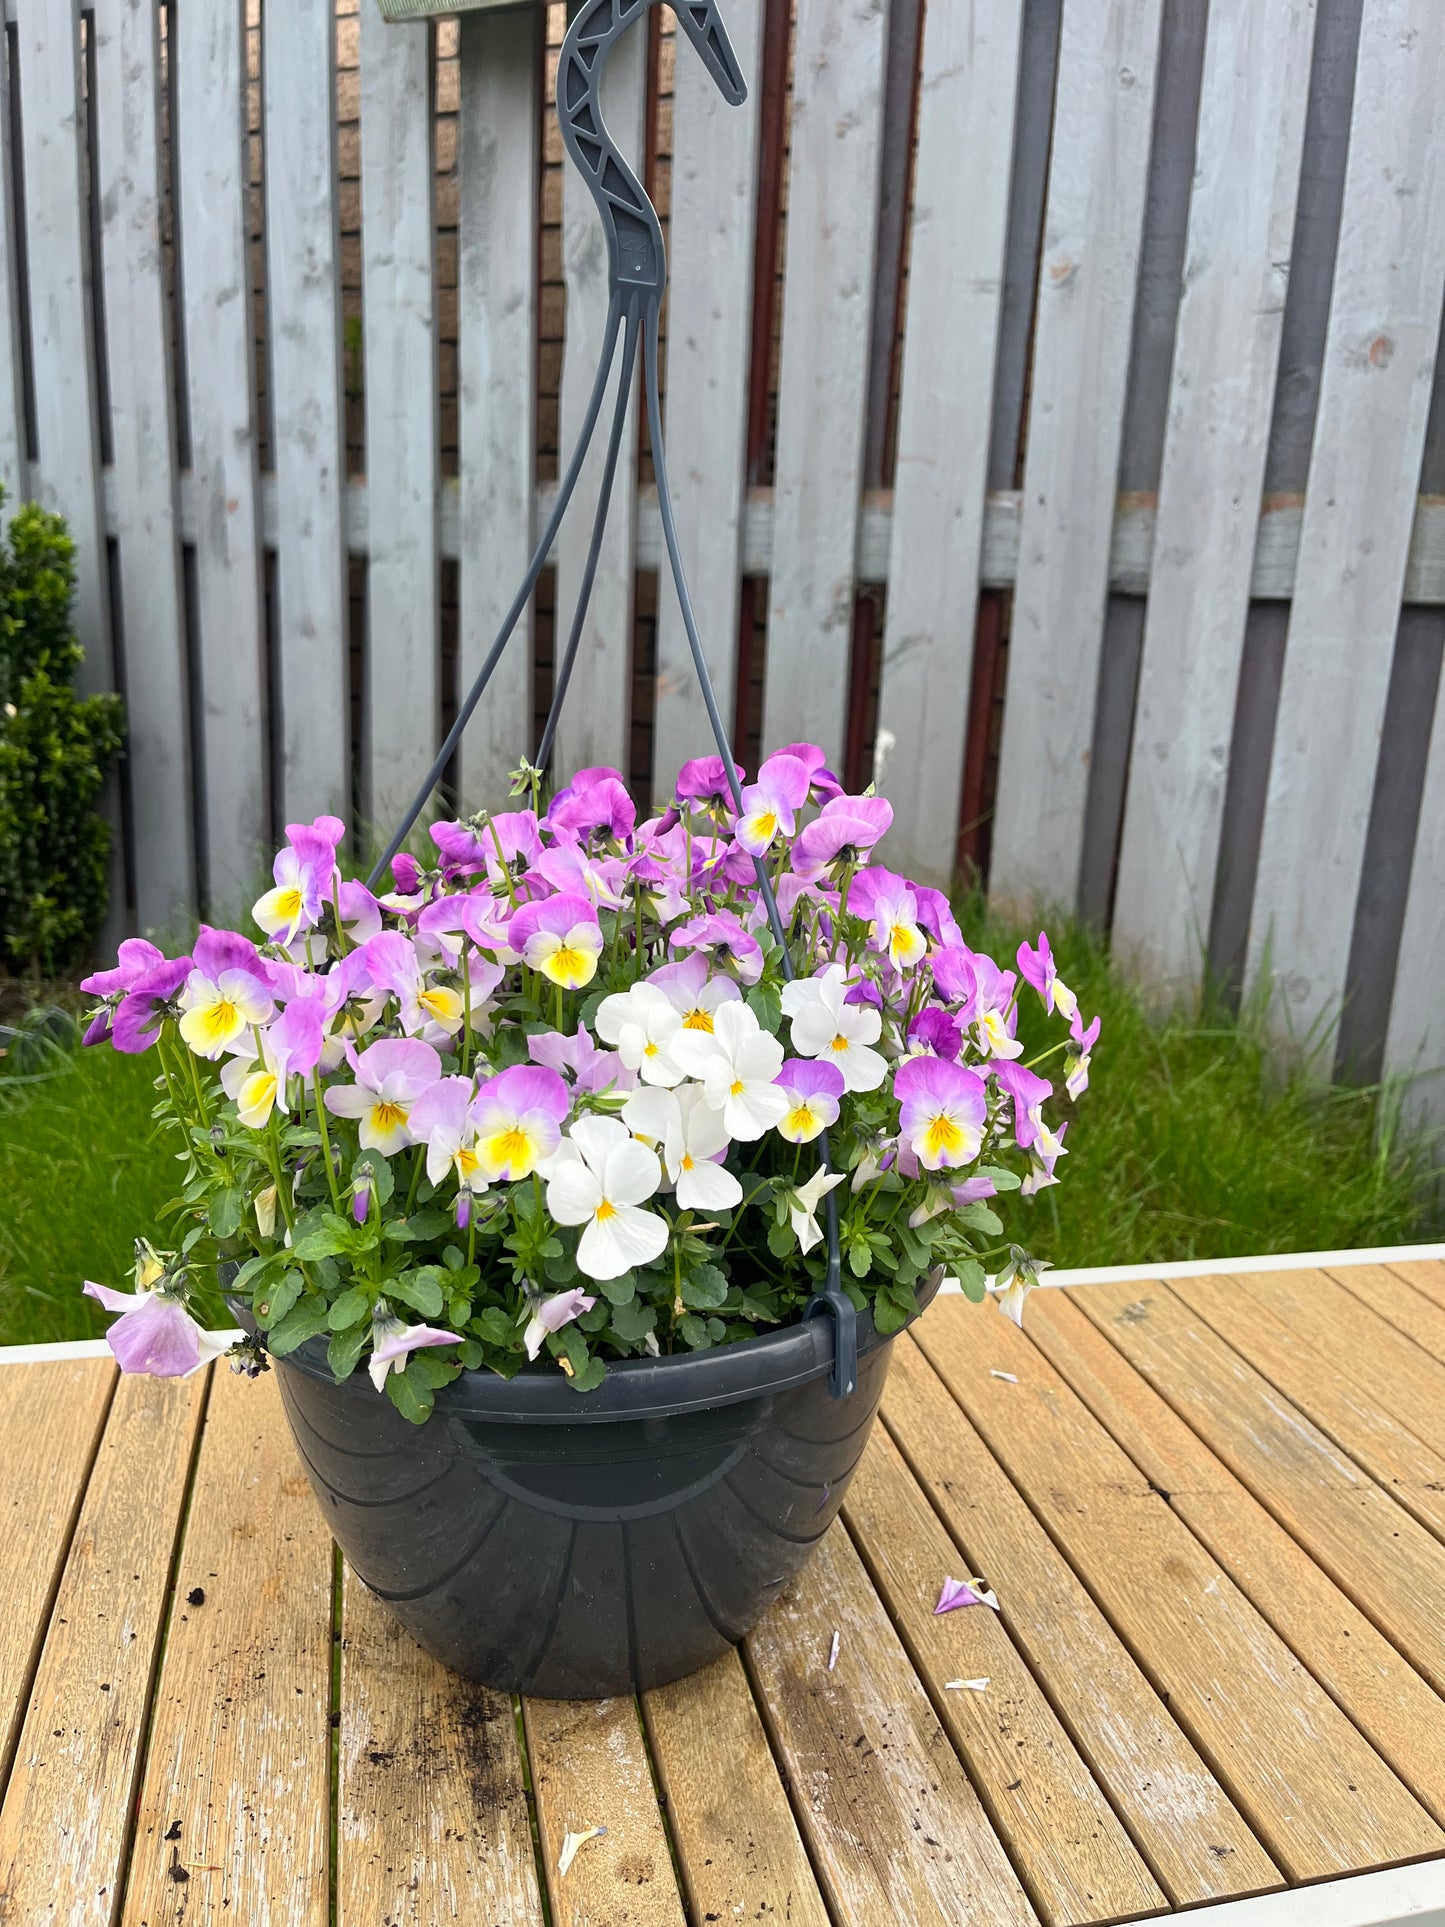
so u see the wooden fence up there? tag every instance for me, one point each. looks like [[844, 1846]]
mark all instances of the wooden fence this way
[[1050, 392]]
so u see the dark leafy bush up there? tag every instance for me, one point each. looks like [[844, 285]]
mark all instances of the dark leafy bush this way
[[55, 751]]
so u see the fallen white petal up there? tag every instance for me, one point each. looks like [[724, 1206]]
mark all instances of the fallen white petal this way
[[1010, 1376], [959, 1685], [572, 1845], [833, 1652]]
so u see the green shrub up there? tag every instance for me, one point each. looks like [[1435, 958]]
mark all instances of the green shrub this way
[[55, 751]]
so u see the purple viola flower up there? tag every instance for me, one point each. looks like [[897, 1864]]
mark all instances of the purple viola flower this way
[[1036, 967], [1076, 1056], [520, 842], [771, 804], [705, 780], [150, 1001], [935, 915], [694, 990], [393, 1341], [304, 872], [846, 830], [228, 991], [463, 848], [814, 760], [134, 958], [596, 799], [405, 874], [390, 1076], [814, 1091], [955, 977], [942, 1111], [360, 912], [361, 1200], [571, 870], [518, 1116], [1041, 1164], [865, 991], [963, 1592], [1028, 1091], [889, 904], [551, 1314], [724, 936], [593, 1071], [155, 1333], [993, 1010], [559, 937], [934, 1030]]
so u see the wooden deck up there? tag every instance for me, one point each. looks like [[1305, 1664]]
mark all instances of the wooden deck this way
[[1212, 1510]]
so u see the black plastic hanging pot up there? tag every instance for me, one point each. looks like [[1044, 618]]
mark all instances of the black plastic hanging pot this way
[[579, 1545]]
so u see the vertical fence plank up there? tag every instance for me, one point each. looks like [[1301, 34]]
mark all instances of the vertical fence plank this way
[[142, 426], [14, 454], [498, 149], [709, 336], [1098, 178], [66, 474], [1241, 218], [955, 285], [833, 188], [298, 53], [398, 305], [595, 723], [1415, 1038], [215, 254], [1364, 469]]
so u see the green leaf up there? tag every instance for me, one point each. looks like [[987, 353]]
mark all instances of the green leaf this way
[[978, 1217], [694, 1332], [766, 1003], [411, 1392], [305, 1320], [633, 1322], [705, 1289], [588, 1377], [271, 1305], [344, 1351], [420, 1289], [1001, 1179], [496, 1327], [780, 1239], [350, 1309], [970, 1275], [227, 1205], [320, 1234], [420, 1228], [619, 1291], [249, 1275]]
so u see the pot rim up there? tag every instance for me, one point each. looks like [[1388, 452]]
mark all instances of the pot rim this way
[[635, 1388]]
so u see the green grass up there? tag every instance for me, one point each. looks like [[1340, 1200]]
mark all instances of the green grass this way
[[1183, 1147]]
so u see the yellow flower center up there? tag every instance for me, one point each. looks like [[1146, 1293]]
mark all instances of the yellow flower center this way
[[687, 1163], [569, 966], [736, 1089], [511, 1147], [698, 1019], [943, 1136], [467, 1162], [766, 823], [605, 1211], [840, 1042], [444, 1004], [649, 1049], [801, 1119], [387, 1116]]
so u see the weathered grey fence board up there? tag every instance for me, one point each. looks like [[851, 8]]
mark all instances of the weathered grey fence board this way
[[1415, 1039], [833, 187], [599, 702], [304, 296], [970, 79], [1102, 124], [1242, 214], [403, 628], [66, 473], [127, 75], [215, 260], [709, 339], [498, 142], [14, 452], [1364, 468]]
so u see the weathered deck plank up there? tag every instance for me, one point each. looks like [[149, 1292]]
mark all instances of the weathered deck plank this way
[[65, 1823], [432, 1822], [893, 1827], [1072, 1854], [234, 1817], [1397, 1298], [1359, 1668], [1181, 1818], [1321, 1800]]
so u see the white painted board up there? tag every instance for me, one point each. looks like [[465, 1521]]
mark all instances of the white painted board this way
[[398, 304], [143, 457], [215, 257], [596, 721], [709, 342], [833, 190], [298, 54], [1093, 223], [968, 92], [1380, 351], [1415, 1037], [1241, 222], [498, 154]]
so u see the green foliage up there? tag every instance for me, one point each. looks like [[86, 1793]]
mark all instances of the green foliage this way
[[55, 750]]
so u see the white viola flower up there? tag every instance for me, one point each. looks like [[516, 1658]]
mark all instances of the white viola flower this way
[[803, 1201], [551, 1314], [826, 1026], [597, 1178], [736, 1063], [692, 992], [641, 1024], [691, 1137]]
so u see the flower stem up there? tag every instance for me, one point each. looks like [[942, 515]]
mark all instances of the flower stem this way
[[326, 1144]]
